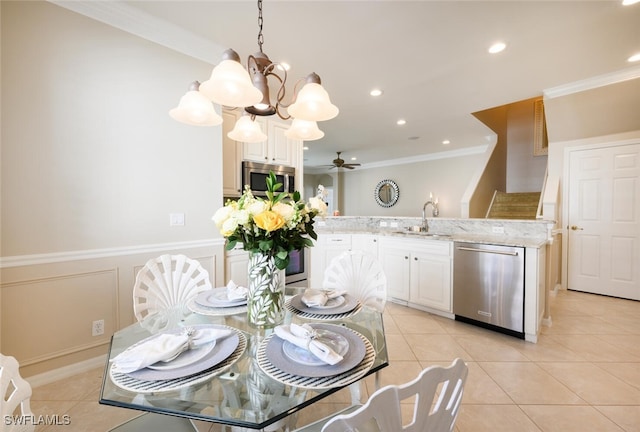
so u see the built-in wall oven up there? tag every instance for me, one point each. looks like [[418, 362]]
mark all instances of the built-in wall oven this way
[[255, 175], [297, 271]]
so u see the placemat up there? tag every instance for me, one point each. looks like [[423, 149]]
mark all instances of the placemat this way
[[317, 383], [126, 382]]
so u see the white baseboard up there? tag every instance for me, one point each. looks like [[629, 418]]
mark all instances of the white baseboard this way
[[66, 371]]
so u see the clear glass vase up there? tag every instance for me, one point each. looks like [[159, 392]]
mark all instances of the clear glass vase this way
[[265, 301]]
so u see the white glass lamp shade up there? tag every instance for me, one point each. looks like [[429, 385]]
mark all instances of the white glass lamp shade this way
[[196, 110], [230, 85], [247, 130], [304, 130], [313, 104]]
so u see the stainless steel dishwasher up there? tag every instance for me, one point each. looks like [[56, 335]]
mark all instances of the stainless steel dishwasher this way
[[488, 286]]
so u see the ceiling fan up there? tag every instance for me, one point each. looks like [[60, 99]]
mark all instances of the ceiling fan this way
[[339, 163]]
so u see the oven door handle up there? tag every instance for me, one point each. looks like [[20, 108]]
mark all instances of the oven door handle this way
[[468, 249]]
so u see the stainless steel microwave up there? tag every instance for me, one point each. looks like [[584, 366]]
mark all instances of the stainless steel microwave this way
[[255, 175]]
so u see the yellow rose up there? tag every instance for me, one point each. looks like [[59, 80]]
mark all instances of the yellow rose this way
[[269, 221]]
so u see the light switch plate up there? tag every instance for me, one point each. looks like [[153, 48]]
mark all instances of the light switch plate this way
[[176, 219]]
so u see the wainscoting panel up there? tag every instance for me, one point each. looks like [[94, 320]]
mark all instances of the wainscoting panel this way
[[48, 302], [58, 313]]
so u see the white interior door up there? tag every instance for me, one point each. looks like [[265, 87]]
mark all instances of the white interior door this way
[[604, 221]]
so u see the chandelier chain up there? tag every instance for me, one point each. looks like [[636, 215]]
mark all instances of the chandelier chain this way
[[260, 37]]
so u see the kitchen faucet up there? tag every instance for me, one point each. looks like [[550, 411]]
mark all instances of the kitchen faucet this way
[[434, 212]]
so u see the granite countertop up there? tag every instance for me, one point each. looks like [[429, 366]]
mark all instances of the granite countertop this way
[[500, 239]]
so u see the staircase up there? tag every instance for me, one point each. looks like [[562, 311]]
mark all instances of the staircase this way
[[514, 205]]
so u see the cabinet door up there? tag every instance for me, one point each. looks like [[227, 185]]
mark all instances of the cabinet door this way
[[395, 263], [365, 242], [431, 280], [281, 148], [327, 247], [231, 158], [237, 267]]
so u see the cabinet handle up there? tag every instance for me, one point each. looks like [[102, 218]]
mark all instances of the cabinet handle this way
[[415, 258], [406, 257]]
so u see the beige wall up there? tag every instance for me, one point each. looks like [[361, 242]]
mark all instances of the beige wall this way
[[92, 166], [415, 181], [90, 157]]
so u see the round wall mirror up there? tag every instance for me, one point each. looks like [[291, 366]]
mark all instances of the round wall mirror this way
[[386, 193]]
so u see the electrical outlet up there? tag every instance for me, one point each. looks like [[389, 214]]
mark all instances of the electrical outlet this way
[[394, 224], [497, 230], [383, 224], [97, 328]]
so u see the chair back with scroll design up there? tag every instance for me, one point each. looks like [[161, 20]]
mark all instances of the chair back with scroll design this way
[[361, 275], [437, 394], [164, 286], [15, 404]]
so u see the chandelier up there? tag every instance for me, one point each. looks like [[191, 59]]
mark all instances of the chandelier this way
[[233, 85]]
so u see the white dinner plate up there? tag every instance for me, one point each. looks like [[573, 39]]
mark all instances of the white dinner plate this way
[[217, 297], [184, 359], [333, 340], [357, 349], [350, 303]]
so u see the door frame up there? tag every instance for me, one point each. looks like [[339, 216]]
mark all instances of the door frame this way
[[595, 143]]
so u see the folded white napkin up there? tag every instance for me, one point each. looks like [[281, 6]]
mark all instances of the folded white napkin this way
[[315, 297], [165, 346], [304, 336], [236, 292]]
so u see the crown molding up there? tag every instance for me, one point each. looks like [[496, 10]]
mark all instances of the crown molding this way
[[146, 26], [593, 82]]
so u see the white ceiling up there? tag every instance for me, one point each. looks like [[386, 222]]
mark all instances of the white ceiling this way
[[429, 57]]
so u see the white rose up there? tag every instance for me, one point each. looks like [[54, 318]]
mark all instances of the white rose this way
[[241, 217], [286, 211], [256, 207], [221, 215], [318, 205], [228, 227]]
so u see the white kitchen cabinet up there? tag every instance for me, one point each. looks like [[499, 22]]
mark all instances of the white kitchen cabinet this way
[[365, 242], [236, 266], [418, 271], [231, 157], [396, 263], [277, 149], [327, 247]]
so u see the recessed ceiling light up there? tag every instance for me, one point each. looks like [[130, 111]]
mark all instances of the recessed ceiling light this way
[[375, 92], [445, 142], [305, 148], [629, 2], [635, 57], [401, 122], [497, 47], [354, 158]]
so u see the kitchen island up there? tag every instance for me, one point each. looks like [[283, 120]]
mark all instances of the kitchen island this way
[[419, 265]]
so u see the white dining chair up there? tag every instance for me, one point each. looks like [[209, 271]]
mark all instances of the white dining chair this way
[[361, 275], [16, 394], [165, 284], [436, 395]]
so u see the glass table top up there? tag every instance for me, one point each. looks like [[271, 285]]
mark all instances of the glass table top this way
[[247, 389]]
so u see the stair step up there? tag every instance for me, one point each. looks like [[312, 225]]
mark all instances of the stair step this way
[[514, 205]]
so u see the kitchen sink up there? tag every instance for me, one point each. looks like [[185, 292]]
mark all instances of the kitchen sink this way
[[422, 234]]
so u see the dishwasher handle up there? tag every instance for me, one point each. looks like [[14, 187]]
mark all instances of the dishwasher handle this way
[[487, 251]]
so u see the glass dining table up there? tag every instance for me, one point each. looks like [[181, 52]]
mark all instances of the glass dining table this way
[[251, 380]]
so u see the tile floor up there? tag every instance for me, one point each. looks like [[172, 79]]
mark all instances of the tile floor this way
[[582, 375]]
